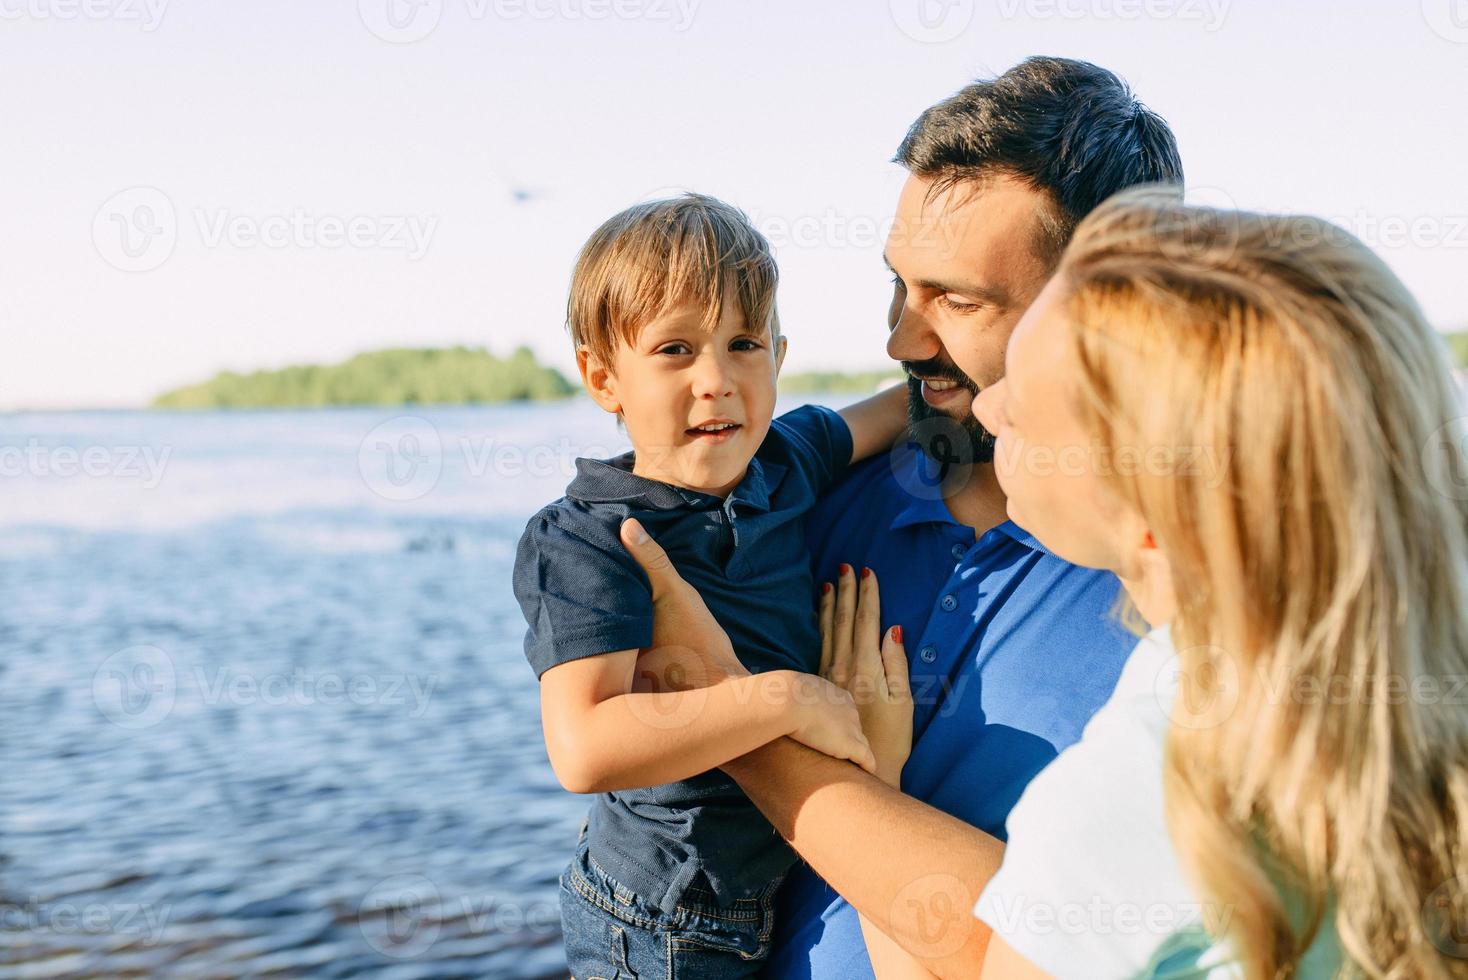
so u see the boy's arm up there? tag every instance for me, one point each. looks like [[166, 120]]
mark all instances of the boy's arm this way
[[603, 736], [876, 422]]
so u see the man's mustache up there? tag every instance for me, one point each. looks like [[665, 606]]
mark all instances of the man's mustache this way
[[938, 371]]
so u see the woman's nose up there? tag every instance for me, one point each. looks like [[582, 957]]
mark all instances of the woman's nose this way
[[987, 406]]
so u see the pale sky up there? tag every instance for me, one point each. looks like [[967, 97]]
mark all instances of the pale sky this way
[[195, 185]]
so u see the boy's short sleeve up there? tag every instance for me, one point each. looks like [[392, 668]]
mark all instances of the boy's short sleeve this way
[[818, 442], [579, 599]]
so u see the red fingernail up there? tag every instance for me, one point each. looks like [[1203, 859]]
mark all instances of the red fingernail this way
[[866, 573], [845, 568], [897, 633], [825, 588]]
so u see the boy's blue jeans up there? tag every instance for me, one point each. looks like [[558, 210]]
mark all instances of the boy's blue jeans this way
[[613, 934]]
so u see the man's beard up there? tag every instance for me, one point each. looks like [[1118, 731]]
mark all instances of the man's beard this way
[[975, 444]]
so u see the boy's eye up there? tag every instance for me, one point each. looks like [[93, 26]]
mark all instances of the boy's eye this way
[[673, 349], [745, 344]]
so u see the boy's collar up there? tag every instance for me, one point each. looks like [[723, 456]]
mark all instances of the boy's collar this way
[[611, 481]]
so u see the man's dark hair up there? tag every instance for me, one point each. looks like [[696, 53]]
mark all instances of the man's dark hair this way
[[1069, 128]]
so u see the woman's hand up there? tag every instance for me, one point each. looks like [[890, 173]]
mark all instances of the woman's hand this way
[[872, 668], [689, 647]]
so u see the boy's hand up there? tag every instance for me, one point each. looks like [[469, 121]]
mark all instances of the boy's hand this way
[[872, 669], [689, 648], [827, 720]]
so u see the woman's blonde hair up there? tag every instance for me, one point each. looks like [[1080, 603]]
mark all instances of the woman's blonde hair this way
[[1320, 563]]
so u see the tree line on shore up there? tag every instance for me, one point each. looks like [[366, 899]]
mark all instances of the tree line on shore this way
[[435, 376]]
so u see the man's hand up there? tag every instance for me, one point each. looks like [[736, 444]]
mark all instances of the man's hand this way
[[689, 648], [873, 669]]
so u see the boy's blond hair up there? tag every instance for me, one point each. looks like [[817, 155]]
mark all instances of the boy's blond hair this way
[[659, 254]]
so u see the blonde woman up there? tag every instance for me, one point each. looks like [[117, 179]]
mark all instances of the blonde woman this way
[[1247, 419]]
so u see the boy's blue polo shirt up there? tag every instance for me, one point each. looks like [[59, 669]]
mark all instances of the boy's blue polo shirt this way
[[583, 595], [1011, 650]]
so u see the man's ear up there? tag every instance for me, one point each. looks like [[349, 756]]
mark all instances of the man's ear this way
[[780, 346], [598, 380]]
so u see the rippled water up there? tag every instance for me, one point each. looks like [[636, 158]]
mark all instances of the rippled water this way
[[263, 707]]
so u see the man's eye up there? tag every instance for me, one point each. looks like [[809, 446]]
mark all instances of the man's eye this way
[[955, 306]]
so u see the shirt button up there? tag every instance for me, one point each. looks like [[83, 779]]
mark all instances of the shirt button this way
[[959, 551], [949, 603], [929, 654]]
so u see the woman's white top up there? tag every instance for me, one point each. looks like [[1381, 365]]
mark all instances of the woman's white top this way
[[1091, 885]]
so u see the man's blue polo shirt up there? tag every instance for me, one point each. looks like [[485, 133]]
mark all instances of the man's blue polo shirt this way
[[1011, 651]]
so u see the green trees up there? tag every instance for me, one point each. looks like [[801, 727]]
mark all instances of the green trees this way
[[400, 376], [437, 376]]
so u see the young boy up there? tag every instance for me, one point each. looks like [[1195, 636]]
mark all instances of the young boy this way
[[672, 311]]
